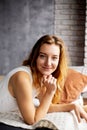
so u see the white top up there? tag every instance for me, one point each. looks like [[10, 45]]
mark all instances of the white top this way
[[7, 102]]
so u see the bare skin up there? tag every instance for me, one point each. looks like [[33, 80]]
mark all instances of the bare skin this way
[[25, 101], [23, 95], [20, 87]]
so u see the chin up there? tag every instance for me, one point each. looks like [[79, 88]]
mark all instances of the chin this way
[[46, 73], [43, 72]]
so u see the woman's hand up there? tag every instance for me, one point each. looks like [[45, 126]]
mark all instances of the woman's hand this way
[[85, 108], [80, 112], [50, 83]]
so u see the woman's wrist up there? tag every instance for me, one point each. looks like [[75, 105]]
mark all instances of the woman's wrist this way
[[50, 93]]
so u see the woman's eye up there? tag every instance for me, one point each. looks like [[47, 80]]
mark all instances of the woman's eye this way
[[55, 58], [41, 56]]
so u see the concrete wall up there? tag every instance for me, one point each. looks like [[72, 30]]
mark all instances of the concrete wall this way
[[22, 22]]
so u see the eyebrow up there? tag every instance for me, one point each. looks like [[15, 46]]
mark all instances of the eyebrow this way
[[46, 54]]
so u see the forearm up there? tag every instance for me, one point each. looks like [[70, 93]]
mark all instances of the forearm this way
[[79, 111], [61, 107], [42, 110]]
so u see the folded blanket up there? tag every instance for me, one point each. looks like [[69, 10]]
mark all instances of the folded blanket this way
[[14, 119], [55, 121]]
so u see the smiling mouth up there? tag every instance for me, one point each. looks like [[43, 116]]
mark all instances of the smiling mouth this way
[[46, 68]]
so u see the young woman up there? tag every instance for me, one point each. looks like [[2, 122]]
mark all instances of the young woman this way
[[33, 87]]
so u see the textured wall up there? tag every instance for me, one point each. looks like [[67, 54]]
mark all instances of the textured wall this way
[[70, 25], [22, 22], [85, 48]]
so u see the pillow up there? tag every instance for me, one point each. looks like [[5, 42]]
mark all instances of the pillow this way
[[74, 84]]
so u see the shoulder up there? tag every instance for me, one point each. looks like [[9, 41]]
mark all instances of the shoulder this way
[[20, 77], [20, 82], [21, 74], [19, 69]]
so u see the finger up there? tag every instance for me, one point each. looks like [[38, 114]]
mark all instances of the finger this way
[[44, 79], [84, 115], [49, 79], [41, 82], [54, 80], [78, 115]]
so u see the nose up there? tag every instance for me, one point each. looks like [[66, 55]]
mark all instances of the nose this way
[[48, 61]]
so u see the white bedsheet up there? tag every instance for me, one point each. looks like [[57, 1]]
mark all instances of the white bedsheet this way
[[57, 121]]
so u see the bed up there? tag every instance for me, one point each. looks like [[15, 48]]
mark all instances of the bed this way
[[55, 121]]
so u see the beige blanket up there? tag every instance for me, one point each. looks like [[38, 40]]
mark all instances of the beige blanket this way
[[56, 121]]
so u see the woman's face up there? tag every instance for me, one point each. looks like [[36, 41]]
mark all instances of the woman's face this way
[[48, 59]]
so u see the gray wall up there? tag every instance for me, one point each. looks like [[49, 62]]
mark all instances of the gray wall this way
[[22, 22]]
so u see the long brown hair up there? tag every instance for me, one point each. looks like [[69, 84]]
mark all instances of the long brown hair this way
[[61, 71]]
